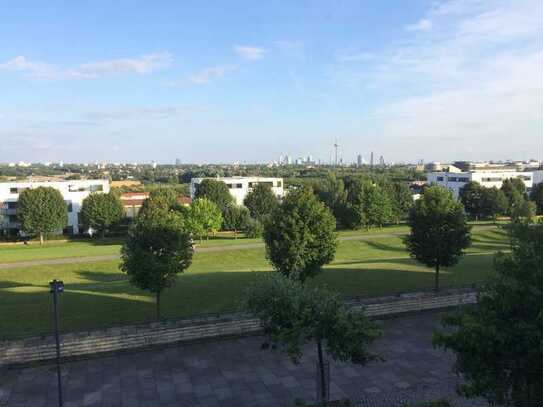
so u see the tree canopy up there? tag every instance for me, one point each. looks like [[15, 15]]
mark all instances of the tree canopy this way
[[156, 250], [439, 230], [301, 238], [203, 217], [537, 197], [42, 211], [498, 344], [101, 211], [471, 196], [261, 201], [215, 191], [293, 315], [235, 218], [368, 204]]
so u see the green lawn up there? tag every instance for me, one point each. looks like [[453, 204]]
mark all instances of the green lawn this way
[[99, 295]]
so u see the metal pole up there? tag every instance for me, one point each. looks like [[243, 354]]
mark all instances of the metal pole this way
[[55, 287]]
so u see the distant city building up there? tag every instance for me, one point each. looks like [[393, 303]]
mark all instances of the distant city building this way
[[371, 160], [381, 161], [289, 160], [359, 160], [73, 191], [239, 187], [177, 161], [154, 165]]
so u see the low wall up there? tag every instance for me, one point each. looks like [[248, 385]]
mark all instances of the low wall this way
[[168, 332]]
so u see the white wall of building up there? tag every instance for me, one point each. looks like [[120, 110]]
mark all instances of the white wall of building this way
[[73, 193], [239, 187], [456, 180]]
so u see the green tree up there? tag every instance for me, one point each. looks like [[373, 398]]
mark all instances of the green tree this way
[[101, 211], [493, 203], [439, 230], [156, 251], [235, 218], [515, 192], [253, 229], [301, 237], [261, 201], [368, 204], [471, 196], [203, 217], [498, 343], [293, 315], [160, 198], [401, 200], [215, 191], [42, 211], [537, 197], [524, 211], [332, 192]]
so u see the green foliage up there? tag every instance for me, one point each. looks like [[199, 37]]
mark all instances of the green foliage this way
[[524, 211], [300, 238], [439, 230], [498, 344], [332, 192], [401, 200], [235, 218], [215, 191], [261, 201], [293, 315], [101, 211], [537, 197], [515, 192], [493, 203], [471, 196], [42, 211], [160, 199], [156, 251], [203, 217], [253, 229], [368, 205]]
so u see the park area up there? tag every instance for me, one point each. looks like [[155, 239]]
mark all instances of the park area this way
[[97, 294]]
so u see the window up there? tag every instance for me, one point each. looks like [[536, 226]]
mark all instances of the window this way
[[491, 179], [453, 179], [279, 184], [463, 179], [229, 186], [70, 206], [13, 190], [12, 205], [440, 178], [95, 188], [13, 219], [239, 186]]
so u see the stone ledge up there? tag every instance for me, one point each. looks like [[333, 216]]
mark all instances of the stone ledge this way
[[80, 344]]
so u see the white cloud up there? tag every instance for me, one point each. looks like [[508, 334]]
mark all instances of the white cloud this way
[[250, 52], [141, 65], [208, 74], [422, 25]]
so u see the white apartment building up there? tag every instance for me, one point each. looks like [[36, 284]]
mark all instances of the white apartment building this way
[[73, 192], [239, 187], [489, 178]]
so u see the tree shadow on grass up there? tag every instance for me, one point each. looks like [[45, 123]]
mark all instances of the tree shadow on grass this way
[[374, 244]]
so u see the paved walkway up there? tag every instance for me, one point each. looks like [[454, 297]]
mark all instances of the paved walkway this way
[[237, 373]]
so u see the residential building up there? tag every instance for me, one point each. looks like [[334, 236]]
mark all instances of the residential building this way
[[487, 178], [133, 201], [239, 187], [73, 192]]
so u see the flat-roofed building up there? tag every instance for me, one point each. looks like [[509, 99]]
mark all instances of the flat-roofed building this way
[[239, 187], [487, 178], [73, 192]]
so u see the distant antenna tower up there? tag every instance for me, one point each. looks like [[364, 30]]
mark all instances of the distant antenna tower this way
[[336, 146]]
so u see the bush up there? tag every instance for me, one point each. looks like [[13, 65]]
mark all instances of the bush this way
[[253, 229]]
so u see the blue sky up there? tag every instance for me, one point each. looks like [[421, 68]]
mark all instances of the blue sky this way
[[246, 81]]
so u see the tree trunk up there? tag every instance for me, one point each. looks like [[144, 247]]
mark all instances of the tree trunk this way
[[436, 288], [41, 238], [158, 306], [321, 372]]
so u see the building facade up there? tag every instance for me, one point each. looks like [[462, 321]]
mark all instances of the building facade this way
[[73, 193], [239, 187], [453, 181]]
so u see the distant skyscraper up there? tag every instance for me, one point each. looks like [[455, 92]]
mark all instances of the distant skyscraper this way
[[381, 161], [359, 160], [309, 159], [289, 160], [177, 161], [371, 159]]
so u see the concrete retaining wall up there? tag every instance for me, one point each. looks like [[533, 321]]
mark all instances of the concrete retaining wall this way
[[168, 332]]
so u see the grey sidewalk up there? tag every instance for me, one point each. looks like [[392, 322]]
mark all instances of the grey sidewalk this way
[[233, 373]]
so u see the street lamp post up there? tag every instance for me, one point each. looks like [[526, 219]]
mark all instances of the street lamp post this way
[[57, 287]]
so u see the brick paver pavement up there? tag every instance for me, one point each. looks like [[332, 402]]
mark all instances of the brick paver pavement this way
[[233, 372]]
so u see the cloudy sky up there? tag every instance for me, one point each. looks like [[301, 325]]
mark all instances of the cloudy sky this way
[[215, 81]]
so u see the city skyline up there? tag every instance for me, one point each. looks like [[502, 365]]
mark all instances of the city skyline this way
[[135, 82]]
